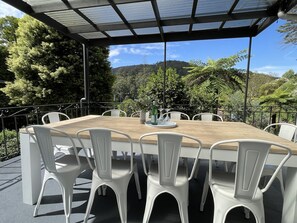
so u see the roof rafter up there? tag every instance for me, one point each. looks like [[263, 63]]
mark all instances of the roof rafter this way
[[26, 8], [66, 2], [158, 19], [194, 8], [114, 6], [229, 12]]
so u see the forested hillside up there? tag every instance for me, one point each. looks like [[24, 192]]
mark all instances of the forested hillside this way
[[179, 66]]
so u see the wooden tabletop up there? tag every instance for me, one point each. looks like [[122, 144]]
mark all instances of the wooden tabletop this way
[[207, 132]]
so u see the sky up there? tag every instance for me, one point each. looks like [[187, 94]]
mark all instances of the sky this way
[[268, 54]]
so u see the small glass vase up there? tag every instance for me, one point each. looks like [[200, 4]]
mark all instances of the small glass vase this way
[[142, 117]]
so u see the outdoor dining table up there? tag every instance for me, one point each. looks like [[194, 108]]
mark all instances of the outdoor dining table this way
[[207, 132]]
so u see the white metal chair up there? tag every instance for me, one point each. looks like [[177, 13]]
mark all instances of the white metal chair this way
[[286, 131], [115, 112], [110, 172], [237, 189], [176, 115], [52, 117], [64, 170], [207, 117], [167, 176]]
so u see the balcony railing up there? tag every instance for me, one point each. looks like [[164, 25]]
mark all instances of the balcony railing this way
[[14, 118]]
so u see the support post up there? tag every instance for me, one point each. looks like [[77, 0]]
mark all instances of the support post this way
[[164, 77], [247, 81], [86, 77]]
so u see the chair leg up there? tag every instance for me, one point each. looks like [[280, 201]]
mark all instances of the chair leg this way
[[183, 211], [136, 178], [148, 208], [246, 213], [204, 192], [67, 200], [122, 205], [90, 202], [45, 179]]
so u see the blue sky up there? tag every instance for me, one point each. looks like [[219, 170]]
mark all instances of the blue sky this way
[[269, 54]]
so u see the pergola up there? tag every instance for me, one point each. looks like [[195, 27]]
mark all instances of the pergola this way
[[112, 22]]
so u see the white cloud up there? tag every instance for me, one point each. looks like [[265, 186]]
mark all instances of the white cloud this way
[[274, 70], [115, 61], [114, 52], [6, 10], [173, 56], [139, 51], [153, 46]]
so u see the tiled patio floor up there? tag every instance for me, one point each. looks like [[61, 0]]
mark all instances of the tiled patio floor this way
[[13, 210]]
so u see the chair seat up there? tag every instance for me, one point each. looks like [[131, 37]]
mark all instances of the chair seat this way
[[181, 176], [120, 169], [227, 189], [68, 150], [69, 162]]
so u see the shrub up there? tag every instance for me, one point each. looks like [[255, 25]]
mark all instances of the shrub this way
[[8, 144]]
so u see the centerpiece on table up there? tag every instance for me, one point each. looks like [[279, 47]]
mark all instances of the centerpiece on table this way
[[143, 105]]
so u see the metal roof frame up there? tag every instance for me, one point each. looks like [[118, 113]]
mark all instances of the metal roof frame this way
[[88, 28]]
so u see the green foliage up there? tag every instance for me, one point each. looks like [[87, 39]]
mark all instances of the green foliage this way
[[129, 106], [8, 27], [214, 78], [281, 91], [128, 85], [48, 67], [289, 74], [8, 140], [175, 90], [289, 29], [256, 81], [130, 78]]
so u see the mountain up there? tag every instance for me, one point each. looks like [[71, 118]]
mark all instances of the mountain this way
[[150, 68]]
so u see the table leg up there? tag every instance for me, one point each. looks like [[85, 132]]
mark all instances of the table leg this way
[[289, 214], [31, 170]]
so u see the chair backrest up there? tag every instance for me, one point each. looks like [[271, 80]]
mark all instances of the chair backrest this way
[[102, 147], [115, 112], [207, 117], [286, 130], [169, 148], [52, 117], [42, 135], [251, 158], [176, 115]]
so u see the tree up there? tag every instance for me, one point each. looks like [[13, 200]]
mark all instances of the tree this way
[[280, 92], [126, 85], [215, 77], [289, 74], [289, 29], [175, 90], [48, 67], [8, 27]]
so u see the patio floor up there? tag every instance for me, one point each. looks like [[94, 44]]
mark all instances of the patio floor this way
[[104, 210]]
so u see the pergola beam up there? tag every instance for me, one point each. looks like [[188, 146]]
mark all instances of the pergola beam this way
[[182, 36], [175, 21]]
